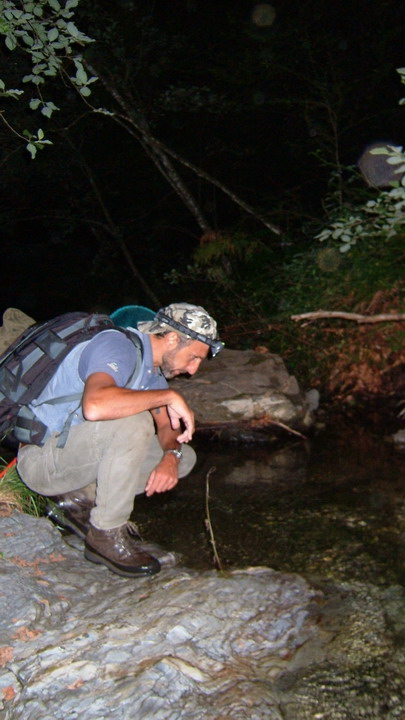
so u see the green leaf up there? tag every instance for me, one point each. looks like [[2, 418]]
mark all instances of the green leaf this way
[[48, 109], [60, 45], [35, 103], [54, 5], [11, 42], [27, 39], [72, 29], [81, 76], [85, 91], [37, 69], [32, 150], [40, 134], [53, 34], [395, 160]]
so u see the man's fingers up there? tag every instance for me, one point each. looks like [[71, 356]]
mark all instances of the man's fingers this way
[[149, 484], [185, 437], [186, 415]]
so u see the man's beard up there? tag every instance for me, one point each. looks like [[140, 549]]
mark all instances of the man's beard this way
[[167, 365]]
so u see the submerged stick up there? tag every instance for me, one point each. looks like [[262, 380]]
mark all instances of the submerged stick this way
[[208, 524]]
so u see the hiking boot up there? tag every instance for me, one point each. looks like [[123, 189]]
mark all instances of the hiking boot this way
[[71, 511], [166, 558], [120, 550]]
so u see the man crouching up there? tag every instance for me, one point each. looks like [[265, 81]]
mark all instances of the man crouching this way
[[129, 434]]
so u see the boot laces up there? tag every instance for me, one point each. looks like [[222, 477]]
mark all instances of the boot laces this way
[[133, 529]]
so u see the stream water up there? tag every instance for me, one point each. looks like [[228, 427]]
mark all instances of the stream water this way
[[329, 508]]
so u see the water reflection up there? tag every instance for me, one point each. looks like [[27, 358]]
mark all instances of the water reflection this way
[[334, 509], [285, 467]]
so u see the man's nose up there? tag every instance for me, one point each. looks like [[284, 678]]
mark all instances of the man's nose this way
[[193, 366]]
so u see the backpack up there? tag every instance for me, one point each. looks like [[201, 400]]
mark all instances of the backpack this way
[[30, 362]]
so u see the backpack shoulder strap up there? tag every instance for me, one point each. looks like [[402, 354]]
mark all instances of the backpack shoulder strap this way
[[137, 343]]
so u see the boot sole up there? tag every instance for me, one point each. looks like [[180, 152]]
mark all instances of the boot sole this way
[[94, 557]]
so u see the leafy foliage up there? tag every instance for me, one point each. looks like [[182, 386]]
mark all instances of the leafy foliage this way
[[45, 32], [380, 217]]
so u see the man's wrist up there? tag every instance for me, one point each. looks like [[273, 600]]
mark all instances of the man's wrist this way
[[177, 453]]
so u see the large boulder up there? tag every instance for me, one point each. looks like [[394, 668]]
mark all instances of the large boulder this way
[[249, 390]]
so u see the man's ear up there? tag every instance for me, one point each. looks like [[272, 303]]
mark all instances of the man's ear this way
[[172, 340]]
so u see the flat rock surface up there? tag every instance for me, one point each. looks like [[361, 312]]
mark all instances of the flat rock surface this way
[[77, 641]]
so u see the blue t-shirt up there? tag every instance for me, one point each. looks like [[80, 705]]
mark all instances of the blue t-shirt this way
[[110, 352]]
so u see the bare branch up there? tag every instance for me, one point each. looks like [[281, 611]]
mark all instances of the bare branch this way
[[160, 154], [355, 317]]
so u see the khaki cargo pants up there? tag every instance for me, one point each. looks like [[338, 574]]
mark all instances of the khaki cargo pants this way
[[111, 459]]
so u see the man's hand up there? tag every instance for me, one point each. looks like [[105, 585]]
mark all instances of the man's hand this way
[[164, 476], [177, 409]]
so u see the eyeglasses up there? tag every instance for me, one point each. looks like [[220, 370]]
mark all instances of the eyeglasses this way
[[215, 345]]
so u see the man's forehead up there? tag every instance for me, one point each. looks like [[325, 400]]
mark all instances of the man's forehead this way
[[199, 349]]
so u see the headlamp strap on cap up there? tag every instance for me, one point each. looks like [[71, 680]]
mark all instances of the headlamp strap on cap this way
[[215, 345]]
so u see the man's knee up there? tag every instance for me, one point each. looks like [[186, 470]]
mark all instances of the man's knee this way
[[188, 461]]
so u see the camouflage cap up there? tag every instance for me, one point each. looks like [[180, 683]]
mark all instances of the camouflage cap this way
[[190, 320]]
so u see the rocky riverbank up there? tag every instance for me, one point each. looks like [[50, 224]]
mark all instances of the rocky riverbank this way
[[77, 641]]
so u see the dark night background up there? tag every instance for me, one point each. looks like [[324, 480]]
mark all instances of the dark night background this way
[[269, 112]]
